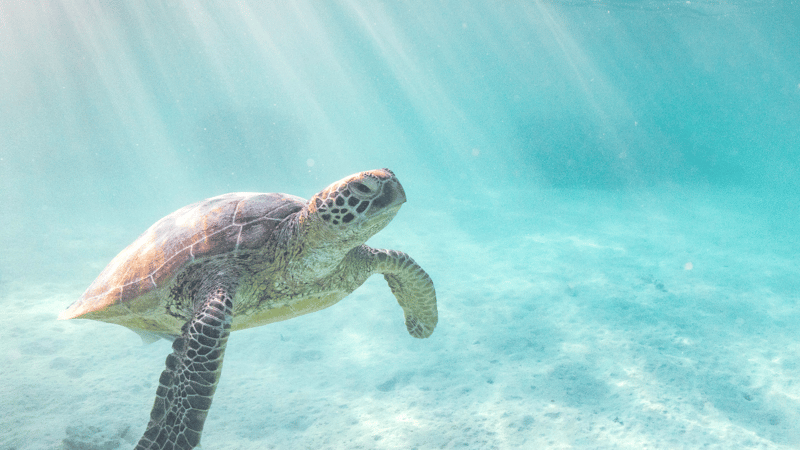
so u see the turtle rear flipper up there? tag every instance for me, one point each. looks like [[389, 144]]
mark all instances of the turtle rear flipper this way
[[187, 385], [413, 289]]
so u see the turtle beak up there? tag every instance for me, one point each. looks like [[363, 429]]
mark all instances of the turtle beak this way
[[392, 196]]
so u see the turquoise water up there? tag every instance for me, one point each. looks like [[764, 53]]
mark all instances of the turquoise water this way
[[604, 192]]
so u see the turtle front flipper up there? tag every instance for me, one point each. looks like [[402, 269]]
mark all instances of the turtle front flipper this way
[[413, 289], [187, 385]]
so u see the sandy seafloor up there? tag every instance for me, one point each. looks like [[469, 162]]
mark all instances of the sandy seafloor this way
[[570, 321]]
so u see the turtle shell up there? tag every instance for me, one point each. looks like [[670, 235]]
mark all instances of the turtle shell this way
[[214, 226]]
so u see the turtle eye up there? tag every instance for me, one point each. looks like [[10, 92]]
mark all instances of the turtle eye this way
[[361, 187]]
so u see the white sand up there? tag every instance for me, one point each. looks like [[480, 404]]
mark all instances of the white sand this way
[[571, 322]]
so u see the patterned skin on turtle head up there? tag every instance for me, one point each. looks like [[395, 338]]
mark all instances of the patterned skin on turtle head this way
[[366, 199]]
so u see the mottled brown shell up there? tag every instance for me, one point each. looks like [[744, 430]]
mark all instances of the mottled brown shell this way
[[211, 227]]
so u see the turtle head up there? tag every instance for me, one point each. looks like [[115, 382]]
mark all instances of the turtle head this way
[[358, 206]]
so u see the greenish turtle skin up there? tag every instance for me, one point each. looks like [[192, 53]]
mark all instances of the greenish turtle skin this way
[[243, 260]]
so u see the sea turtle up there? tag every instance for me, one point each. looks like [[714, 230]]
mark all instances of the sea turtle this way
[[242, 260]]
